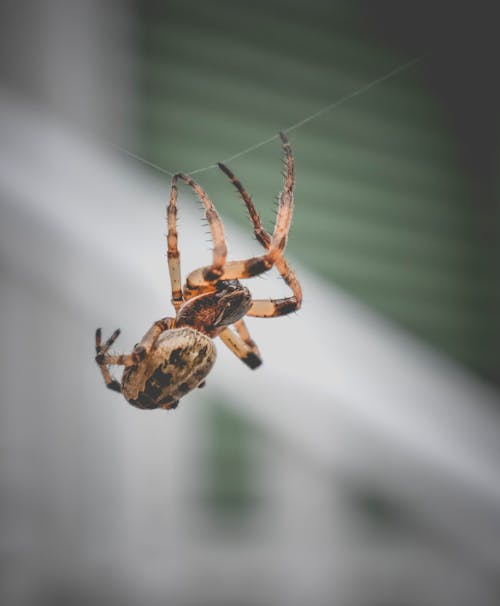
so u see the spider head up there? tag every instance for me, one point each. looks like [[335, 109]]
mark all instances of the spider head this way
[[232, 301], [212, 311]]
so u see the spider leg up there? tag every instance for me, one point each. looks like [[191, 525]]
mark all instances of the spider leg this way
[[214, 271], [271, 307], [234, 270], [285, 203], [149, 339], [102, 349], [173, 255], [246, 352], [242, 330], [197, 283], [101, 359], [140, 351], [260, 233]]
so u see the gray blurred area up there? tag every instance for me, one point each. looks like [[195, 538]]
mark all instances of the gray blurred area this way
[[359, 465]]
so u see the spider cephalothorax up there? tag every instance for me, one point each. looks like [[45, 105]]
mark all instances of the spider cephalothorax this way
[[211, 312], [176, 354]]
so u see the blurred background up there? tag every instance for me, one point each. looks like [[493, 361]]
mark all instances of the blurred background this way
[[359, 465]]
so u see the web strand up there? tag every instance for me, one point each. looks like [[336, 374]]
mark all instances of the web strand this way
[[394, 72], [142, 160], [359, 91]]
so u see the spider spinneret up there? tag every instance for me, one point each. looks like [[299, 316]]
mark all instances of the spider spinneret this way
[[176, 354]]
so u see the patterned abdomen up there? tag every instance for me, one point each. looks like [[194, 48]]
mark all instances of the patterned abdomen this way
[[179, 362]]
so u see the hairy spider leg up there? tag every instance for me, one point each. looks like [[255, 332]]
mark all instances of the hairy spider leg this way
[[242, 330], [140, 351], [285, 203], [247, 353], [268, 308], [211, 273], [101, 353], [271, 308], [173, 255], [235, 270]]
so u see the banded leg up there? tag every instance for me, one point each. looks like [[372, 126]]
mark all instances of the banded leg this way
[[173, 255], [214, 271], [149, 339], [270, 307], [248, 268], [260, 233], [242, 330], [102, 356], [248, 354], [285, 203], [140, 351]]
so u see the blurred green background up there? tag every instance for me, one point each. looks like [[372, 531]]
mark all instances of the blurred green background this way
[[391, 202]]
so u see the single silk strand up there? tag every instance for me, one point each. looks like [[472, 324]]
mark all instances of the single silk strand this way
[[143, 160], [359, 91], [397, 70]]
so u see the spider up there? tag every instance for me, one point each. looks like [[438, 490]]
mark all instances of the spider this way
[[176, 354]]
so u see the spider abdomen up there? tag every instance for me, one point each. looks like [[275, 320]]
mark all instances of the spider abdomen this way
[[179, 361]]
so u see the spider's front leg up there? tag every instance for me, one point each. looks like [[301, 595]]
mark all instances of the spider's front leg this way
[[173, 255], [140, 351], [204, 278], [213, 271], [269, 308], [102, 359]]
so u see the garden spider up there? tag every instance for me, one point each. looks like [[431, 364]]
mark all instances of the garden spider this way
[[176, 354]]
